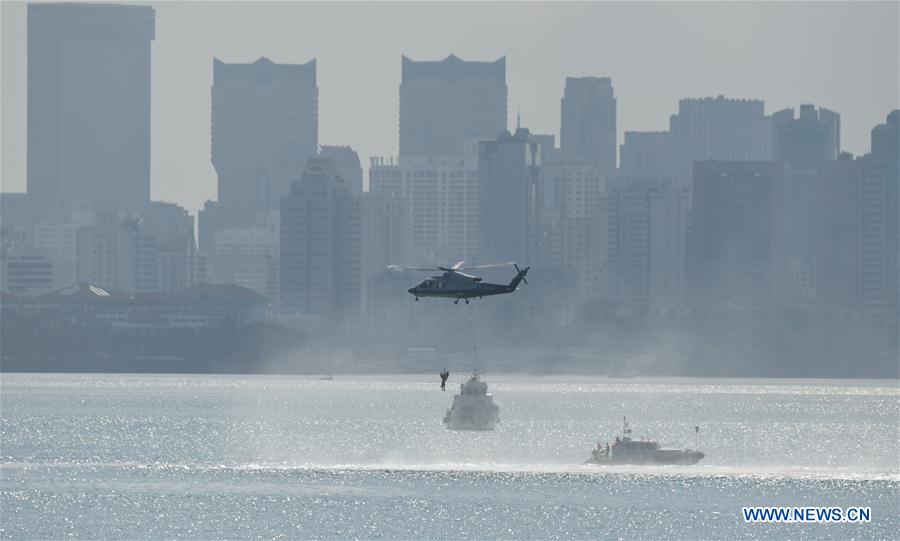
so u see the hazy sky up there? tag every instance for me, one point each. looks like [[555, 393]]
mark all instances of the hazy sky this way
[[843, 56]]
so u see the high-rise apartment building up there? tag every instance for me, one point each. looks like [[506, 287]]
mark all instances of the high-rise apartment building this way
[[808, 144], [385, 233], [89, 103], [508, 172], [440, 196], [176, 250], [646, 155], [320, 245], [568, 198], [588, 126], [886, 151], [809, 140], [648, 246], [737, 236], [859, 250], [443, 103], [886, 139], [855, 274]]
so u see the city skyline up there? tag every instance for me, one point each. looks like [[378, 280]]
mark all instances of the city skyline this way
[[725, 177], [182, 172], [241, 243]]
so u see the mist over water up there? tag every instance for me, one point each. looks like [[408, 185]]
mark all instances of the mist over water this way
[[368, 456]]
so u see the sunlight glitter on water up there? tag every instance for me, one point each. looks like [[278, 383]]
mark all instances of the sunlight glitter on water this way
[[368, 456]]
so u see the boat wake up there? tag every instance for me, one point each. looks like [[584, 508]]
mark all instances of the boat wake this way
[[747, 472]]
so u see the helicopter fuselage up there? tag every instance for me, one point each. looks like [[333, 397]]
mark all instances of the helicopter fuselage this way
[[456, 285]]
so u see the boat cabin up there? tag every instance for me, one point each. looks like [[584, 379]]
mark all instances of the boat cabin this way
[[473, 387], [628, 446]]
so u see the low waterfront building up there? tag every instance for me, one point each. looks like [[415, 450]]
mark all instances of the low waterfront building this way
[[205, 306]]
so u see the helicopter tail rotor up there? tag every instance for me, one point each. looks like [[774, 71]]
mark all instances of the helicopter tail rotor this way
[[520, 277]]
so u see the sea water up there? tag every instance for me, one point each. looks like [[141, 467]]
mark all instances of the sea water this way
[[198, 457]]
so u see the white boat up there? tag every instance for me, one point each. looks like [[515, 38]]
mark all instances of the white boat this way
[[473, 408]]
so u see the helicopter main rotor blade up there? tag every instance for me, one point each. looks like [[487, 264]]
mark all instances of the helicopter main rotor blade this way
[[457, 267], [399, 268], [491, 266]]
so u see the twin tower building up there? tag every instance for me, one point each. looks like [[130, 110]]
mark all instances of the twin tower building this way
[[265, 120]]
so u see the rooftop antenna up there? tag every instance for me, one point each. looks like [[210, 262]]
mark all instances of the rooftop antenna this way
[[518, 120]]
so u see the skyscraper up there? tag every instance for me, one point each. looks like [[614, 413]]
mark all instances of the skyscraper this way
[[508, 172], [320, 271], [886, 142], [719, 129], [440, 196], [443, 103], [882, 216], [858, 256], [384, 234], [737, 239], [645, 155], [264, 129], [175, 246], [588, 126], [647, 245], [808, 144], [89, 103], [811, 139], [346, 160], [568, 197]]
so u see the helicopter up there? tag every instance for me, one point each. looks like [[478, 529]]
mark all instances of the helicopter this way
[[456, 284]]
